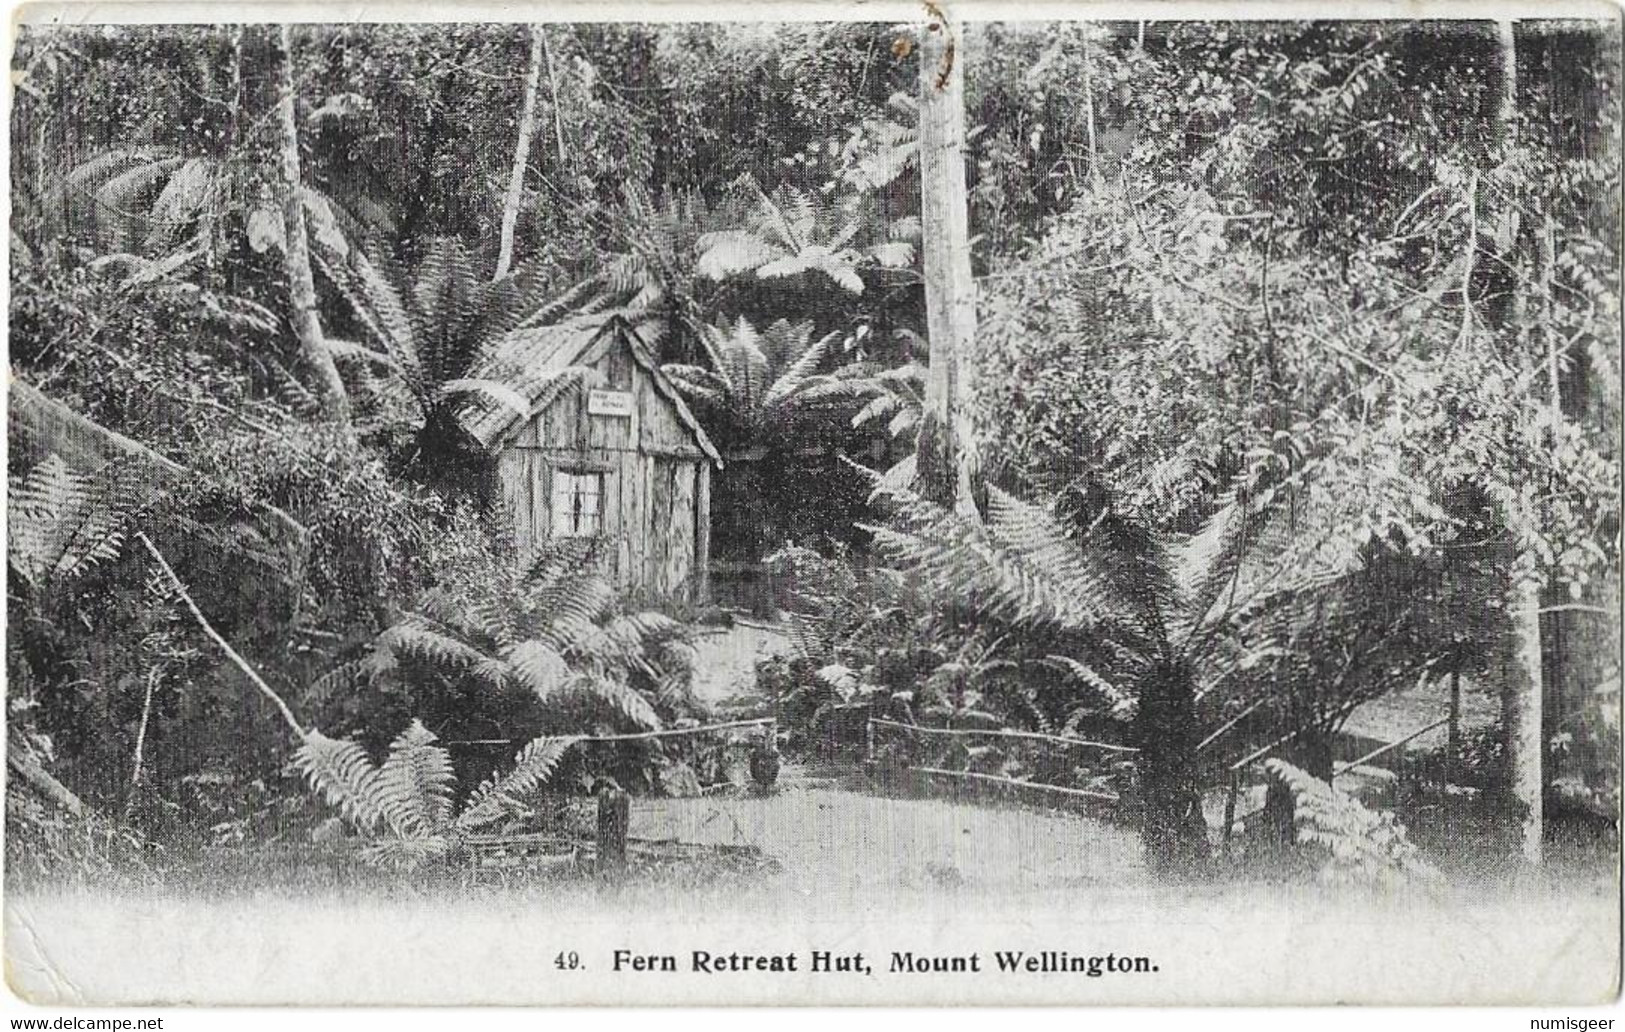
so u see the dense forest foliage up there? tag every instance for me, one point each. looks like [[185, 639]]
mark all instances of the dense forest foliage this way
[[1295, 382]]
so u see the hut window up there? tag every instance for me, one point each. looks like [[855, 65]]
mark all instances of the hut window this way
[[576, 498]]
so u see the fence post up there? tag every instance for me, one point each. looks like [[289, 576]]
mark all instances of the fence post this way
[[1230, 807], [614, 819], [1453, 740]]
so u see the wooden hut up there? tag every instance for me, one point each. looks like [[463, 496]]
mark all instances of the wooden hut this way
[[619, 456]]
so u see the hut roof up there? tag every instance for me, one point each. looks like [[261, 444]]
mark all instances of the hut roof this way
[[528, 362]]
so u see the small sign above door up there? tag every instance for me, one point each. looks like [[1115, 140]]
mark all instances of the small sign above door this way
[[609, 403]]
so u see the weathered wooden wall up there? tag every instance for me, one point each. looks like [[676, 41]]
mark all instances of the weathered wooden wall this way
[[656, 480]]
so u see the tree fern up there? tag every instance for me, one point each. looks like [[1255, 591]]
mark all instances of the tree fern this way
[[553, 630], [792, 233], [441, 323], [761, 381], [147, 198], [403, 808]]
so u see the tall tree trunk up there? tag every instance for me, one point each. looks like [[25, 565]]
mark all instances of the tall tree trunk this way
[[307, 324], [946, 458], [1522, 689], [521, 153]]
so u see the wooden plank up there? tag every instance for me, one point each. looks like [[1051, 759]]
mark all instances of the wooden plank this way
[[660, 427], [612, 431], [702, 534], [686, 454], [634, 372], [680, 548], [531, 434], [632, 520], [574, 406], [513, 472], [659, 524], [541, 479], [610, 510]]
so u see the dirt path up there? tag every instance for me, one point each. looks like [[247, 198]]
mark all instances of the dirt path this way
[[833, 838], [725, 669]]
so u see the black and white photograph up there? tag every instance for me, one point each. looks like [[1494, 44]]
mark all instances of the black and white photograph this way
[[895, 504]]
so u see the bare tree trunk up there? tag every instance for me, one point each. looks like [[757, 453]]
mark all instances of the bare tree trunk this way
[[946, 458], [1096, 180], [307, 324], [140, 743], [1521, 712], [553, 95], [521, 153], [1521, 692]]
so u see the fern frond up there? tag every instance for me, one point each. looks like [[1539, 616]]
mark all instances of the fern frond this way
[[572, 607], [345, 674], [698, 383], [898, 254], [966, 562], [405, 854], [99, 169], [809, 636], [896, 480], [39, 508], [559, 558], [413, 787], [383, 305], [796, 377], [625, 641], [881, 406], [350, 351], [540, 667], [61, 522], [122, 200], [498, 796], [839, 677], [747, 367], [413, 635], [620, 696], [181, 199], [344, 775], [550, 312], [1360, 845], [1083, 672], [733, 252], [1034, 534], [493, 389]]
